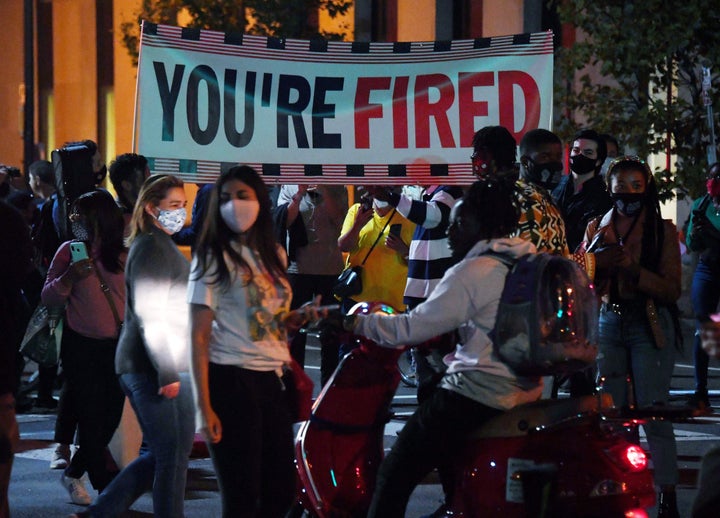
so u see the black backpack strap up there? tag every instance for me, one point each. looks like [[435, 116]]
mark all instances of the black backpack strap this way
[[503, 258]]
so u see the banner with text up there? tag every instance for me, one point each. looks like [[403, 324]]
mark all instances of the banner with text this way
[[333, 112]]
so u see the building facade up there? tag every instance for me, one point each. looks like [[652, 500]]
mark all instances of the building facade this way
[[84, 79]]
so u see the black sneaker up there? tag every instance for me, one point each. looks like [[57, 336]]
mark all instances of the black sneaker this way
[[23, 405], [44, 405], [700, 402], [667, 505]]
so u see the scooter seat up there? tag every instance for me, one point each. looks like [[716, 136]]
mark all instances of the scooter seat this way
[[523, 418]]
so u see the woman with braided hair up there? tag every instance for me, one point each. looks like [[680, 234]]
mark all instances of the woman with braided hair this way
[[638, 277]]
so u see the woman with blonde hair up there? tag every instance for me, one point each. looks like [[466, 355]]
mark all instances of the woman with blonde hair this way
[[153, 355]]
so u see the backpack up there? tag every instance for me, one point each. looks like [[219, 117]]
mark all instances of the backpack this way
[[74, 175], [547, 320]]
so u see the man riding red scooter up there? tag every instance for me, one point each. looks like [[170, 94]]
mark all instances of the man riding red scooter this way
[[464, 428]]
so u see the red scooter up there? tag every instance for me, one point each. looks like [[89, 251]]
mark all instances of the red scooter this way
[[553, 458]]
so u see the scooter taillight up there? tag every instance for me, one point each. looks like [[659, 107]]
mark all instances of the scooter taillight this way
[[636, 458], [628, 456], [636, 513]]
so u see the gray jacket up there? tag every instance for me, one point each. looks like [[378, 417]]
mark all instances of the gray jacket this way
[[155, 336]]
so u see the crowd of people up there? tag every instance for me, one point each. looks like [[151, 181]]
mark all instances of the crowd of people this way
[[205, 344]]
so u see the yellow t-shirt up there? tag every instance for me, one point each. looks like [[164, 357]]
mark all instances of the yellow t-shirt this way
[[385, 271]]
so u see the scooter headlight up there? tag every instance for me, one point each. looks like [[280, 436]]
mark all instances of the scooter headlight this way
[[368, 308]]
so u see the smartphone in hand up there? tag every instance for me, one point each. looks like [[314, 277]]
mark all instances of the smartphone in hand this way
[[78, 251], [366, 202], [395, 229]]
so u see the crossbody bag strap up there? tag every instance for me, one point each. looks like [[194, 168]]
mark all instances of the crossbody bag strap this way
[[106, 291], [379, 236]]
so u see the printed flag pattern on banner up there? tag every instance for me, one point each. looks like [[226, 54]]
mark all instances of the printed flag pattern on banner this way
[[316, 111]]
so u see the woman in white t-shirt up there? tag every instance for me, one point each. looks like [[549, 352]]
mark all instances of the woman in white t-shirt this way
[[239, 299]]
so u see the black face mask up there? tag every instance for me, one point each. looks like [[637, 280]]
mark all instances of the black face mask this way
[[580, 164], [100, 175], [547, 174], [629, 203], [463, 231]]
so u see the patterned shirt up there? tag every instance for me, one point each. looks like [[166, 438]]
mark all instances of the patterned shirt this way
[[540, 220]]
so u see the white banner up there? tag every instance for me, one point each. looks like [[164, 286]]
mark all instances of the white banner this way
[[333, 112]]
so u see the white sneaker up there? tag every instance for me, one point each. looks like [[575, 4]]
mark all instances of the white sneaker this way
[[76, 488], [60, 457]]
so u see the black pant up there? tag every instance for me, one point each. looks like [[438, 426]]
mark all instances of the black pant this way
[[254, 459], [96, 396], [67, 419], [430, 439]]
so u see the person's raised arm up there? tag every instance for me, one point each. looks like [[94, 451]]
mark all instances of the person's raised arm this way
[[357, 217], [291, 197]]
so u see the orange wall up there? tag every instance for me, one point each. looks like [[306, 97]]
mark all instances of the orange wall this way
[[75, 70], [502, 17], [416, 20], [125, 79], [11, 57]]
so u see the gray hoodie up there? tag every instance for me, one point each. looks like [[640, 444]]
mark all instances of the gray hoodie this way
[[466, 299]]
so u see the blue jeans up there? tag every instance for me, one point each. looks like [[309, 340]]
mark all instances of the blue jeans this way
[[168, 430], [627, 347], [705, 295]]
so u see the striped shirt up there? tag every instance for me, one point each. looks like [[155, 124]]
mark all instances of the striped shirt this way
[[429, 256]]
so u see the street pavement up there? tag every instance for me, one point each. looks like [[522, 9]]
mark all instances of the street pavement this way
[[35, 491]]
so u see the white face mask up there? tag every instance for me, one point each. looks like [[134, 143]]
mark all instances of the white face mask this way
[[381, 204], [172, 220], [414, 192], [240, 215]]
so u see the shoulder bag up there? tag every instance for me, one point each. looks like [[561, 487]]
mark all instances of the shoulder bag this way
[[349, 282], [43, 335]]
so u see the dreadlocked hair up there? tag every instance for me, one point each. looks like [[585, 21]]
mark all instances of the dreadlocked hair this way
[[653, 235]]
